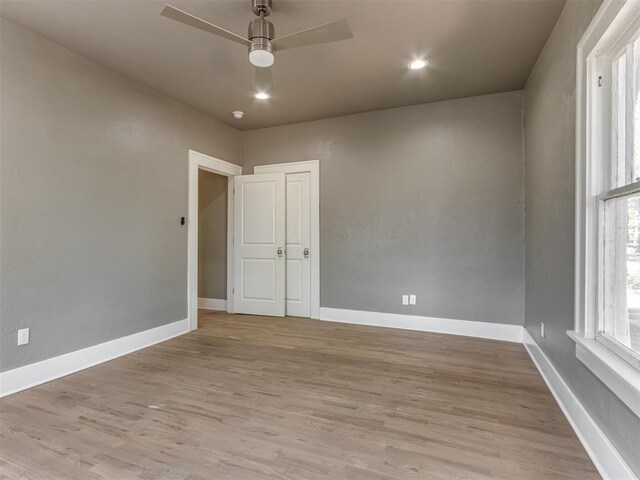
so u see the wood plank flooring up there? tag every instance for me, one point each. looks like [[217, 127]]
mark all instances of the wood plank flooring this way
[[249, 398]]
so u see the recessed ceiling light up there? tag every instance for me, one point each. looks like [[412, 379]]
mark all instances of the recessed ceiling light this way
[[238, 114], [418, 64], [262, 95]]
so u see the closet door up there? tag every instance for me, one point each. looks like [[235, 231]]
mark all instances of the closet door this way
[[259, 244], [298, 283]]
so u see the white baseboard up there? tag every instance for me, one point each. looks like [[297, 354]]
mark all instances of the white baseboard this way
[[212, 304], [603, 454], [21, 378], [493, 331]]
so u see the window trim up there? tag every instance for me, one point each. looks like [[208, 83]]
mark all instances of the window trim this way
[[620, 377], [605, 35], [618, 349]]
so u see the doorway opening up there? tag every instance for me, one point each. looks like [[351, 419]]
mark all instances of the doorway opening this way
[[212, 240], [200, 162]]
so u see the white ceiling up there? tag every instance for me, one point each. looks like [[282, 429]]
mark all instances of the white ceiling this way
[[474, 47]]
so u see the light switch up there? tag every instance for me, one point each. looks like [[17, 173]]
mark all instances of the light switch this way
[[405, 299]]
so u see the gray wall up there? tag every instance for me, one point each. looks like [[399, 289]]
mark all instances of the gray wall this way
[[550, 213], [212, 235], [425, 199], [93, 184]]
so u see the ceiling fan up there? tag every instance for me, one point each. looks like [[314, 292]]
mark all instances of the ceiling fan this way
[[261, 42]]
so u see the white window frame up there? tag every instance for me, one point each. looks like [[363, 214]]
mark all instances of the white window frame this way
[[608, 31]]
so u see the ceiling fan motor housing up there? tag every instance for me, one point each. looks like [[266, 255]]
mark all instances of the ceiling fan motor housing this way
[[261, 32], [261, 28]]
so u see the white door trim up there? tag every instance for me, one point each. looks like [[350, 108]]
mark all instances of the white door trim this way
[[313, 167], [200, 161]]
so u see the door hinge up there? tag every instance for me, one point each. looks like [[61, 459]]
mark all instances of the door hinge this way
[[600, 81]]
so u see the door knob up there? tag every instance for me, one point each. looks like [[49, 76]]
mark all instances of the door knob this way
[[279, 251], [306, 253]]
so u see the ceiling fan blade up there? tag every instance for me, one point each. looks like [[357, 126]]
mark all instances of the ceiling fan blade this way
[[329, 32], [188, 19], [263, 79]]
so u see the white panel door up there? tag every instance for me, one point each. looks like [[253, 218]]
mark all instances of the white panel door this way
[[259, 244], [298, 289]]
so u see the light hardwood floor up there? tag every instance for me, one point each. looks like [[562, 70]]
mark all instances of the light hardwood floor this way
[[248, 398]]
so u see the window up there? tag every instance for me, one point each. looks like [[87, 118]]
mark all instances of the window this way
[[607, 324], [619, 303]]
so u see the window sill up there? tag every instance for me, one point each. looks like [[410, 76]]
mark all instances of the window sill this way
[[621, 378]]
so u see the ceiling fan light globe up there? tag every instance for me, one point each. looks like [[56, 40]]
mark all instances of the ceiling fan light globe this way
[[261, 58]]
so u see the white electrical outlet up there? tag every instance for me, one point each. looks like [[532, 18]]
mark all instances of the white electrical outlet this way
[[542, 329], [412, 299], [23, 336], [405, 299]]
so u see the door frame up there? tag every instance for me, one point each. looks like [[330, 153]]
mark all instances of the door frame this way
[[313, 168], [200, 161]]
